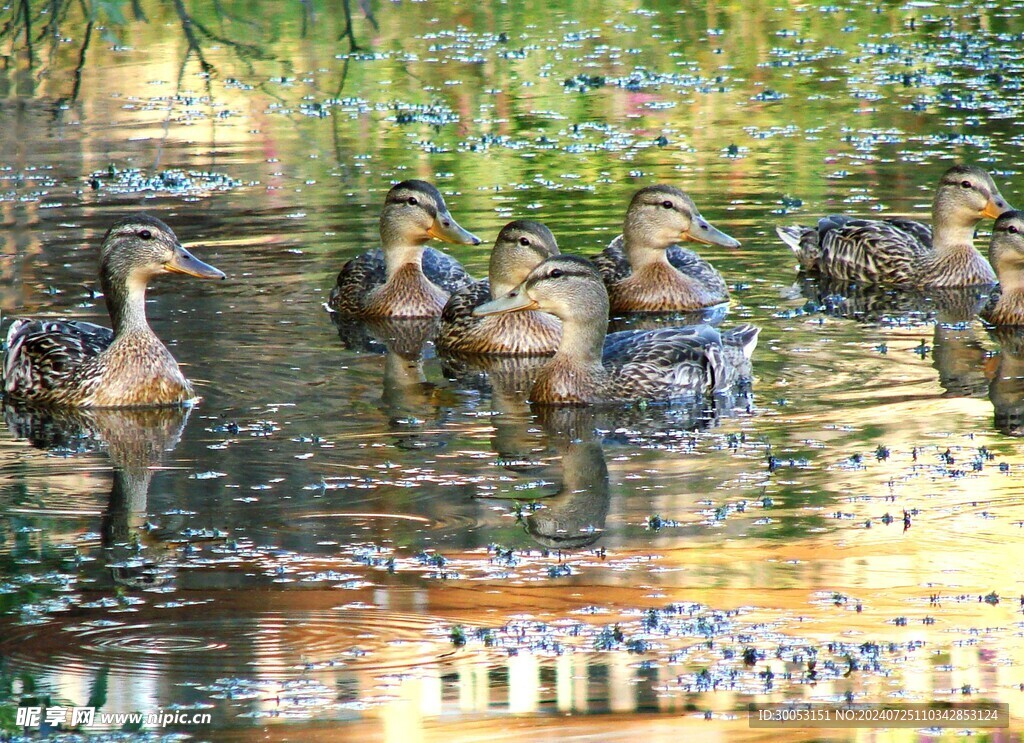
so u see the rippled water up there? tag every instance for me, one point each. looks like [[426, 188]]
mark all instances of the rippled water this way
[[351, 539]]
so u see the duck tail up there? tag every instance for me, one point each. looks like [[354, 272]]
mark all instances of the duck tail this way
[[717, 368], [803, 241], [743, 337], [12, 349], [790, 234]]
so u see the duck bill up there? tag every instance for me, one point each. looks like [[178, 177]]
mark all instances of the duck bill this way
[[448, 230], [701, 231], [996, 205], [186, 263], [515, 301]]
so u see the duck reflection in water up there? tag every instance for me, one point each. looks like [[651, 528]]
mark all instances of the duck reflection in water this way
[[1006, 384], [414, 406], [571, 441], [574, 516], [136, 440], [957, 353]]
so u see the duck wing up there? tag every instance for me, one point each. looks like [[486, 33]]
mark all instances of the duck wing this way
[[681, 361], [356, 278], [612, 263], [464, 300], [853, 249], [44, 355], [870, 250], [457, 320], [665, 363], [918, 230], [445, 271]]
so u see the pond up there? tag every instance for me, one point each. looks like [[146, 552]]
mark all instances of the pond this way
[[355, 538]]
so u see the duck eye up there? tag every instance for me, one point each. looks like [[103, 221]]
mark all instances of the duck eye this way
[[667, 204], [1012, 229], [965, 184], [412, 201], [557, 273], [146, 234], [524, 241]]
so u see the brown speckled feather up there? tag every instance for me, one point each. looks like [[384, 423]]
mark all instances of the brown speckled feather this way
[[807, 242], [693, 284], [890, 251], [867, 250], [666, 364], [76, 363], [528, 333], [360, 280], [1004, 309], [52, 360], [356, 279], [673, 362]]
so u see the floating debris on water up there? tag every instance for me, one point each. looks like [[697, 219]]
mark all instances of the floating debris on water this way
[[133, 180]]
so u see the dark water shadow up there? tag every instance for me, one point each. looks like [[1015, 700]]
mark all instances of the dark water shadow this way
[[567, 443], [137, 441], [957, 354], [1006, 384], [415, 407]]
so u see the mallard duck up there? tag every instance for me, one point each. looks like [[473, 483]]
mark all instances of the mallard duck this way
[[67, 362], [589, 368], [403, 278], [644, 269], [1006, 253], [902, 251], [520, 246]]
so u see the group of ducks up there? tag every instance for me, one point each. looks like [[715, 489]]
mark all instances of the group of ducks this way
[[536, 300]]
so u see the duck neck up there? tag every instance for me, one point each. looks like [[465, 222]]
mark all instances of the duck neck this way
[[126, 303], [500, 288], [642, 255], [397, 257], [400, 248], [640, 247], [950, 236], [1011, 282], [582, 341]]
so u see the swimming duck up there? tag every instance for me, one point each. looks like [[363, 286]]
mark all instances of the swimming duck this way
[[589, 368], [520, 246], [902, 251], [403, 278], [644, 269], [67, 362], [1006, 253]]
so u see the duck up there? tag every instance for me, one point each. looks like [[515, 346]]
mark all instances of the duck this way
[[80, 364], [403, 277], [520, 246], [1006, 254], [646, 271], [903, 251], [630, 366]]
